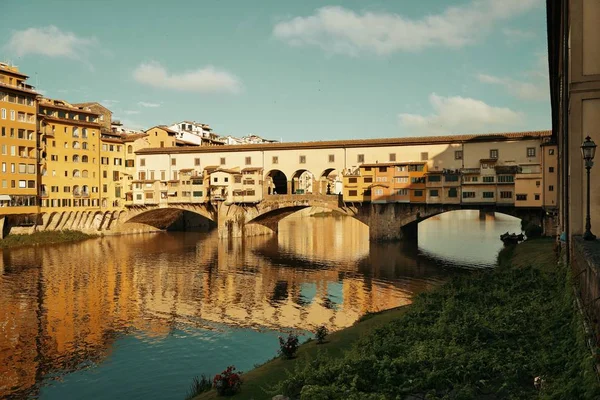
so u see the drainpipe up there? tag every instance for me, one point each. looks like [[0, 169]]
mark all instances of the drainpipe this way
[[565, 126]]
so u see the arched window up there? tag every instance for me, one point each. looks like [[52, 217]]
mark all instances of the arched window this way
[[76, 191], [76, 173], [129, 149], [75, 158], [84, 133], [84, 159], [75, 145], [84, 145], [85, 190], [84, 173]]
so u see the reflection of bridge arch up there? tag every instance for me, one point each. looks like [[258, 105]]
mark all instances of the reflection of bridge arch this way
[[277, 182], [269, 212], [164, 218]]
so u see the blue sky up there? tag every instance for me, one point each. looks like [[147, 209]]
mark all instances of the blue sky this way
[[301, 70]]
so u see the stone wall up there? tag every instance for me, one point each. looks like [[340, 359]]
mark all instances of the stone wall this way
[[585, 266]]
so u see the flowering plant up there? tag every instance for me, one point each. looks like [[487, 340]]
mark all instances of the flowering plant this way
[[321, 333], [228, 382], [289, 346]]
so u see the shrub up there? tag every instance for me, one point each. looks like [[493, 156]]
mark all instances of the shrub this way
[[228, 382], [533, 231], [288, 347], [199, 385], [321, 333]]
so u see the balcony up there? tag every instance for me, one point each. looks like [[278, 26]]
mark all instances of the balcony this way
[[21, 86]]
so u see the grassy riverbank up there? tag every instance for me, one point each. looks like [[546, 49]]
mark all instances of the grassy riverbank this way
[[42, 238], [483, 335]]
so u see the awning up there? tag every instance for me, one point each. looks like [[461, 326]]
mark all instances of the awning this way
[[4, 197]]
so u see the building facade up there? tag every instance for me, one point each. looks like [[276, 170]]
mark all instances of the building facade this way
[[18, 143], [498, 169], [574, 69], [70, 157]]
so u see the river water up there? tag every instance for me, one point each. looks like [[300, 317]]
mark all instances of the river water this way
[[138, 316]]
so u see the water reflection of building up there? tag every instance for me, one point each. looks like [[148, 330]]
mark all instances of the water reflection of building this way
[[63, 305]]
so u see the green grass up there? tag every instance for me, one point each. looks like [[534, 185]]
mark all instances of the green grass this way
[[44, 237], [261, 380], [483, 335]]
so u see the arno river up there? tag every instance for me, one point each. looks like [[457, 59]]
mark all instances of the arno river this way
[[138, 316]]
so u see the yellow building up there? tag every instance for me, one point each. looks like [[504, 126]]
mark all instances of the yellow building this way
[[161, 136], [70, 157], [114, 181], [131, 144], [18, 143]]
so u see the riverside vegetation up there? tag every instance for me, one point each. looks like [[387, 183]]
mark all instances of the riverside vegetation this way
[[44, 237], [488, 334]]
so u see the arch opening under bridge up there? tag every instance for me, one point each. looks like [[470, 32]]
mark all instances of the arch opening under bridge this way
[[175, 219]]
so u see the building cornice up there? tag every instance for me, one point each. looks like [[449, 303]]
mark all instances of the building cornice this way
[[356, 143]]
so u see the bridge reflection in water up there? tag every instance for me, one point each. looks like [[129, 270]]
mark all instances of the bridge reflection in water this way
[[63, 307]]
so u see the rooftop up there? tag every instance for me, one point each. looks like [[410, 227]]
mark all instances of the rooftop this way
[[400, 141]]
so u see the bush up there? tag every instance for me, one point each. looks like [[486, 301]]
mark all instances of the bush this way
[[531, 230], [228, 382], [482, 335], [288, 347], [321, 333], [199, 385]]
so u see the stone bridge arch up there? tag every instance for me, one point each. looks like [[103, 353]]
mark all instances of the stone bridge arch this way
[[409, 221], [164, 217], [264, 217]]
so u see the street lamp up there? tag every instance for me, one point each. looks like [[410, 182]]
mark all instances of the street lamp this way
[[588, 150]]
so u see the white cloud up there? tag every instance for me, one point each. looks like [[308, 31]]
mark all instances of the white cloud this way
[[453, 115], [207, 79], [517, 34], [148, 105], [49, 41], [340, 30], [109, 103], [535, 88], [131, 112], [520, 89]]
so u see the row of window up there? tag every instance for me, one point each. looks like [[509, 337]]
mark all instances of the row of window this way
[[67, 189], [21, 151], [452, 193], [75, 132], [72, 115], [21, 133], [19, 201], [16, 98], [75, 145], [22, 168], [275, 159], [73, 203], [17, 116], [113, 147], [20, 184]]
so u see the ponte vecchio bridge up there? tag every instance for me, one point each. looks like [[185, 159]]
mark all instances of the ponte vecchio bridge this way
[[247, 189]]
